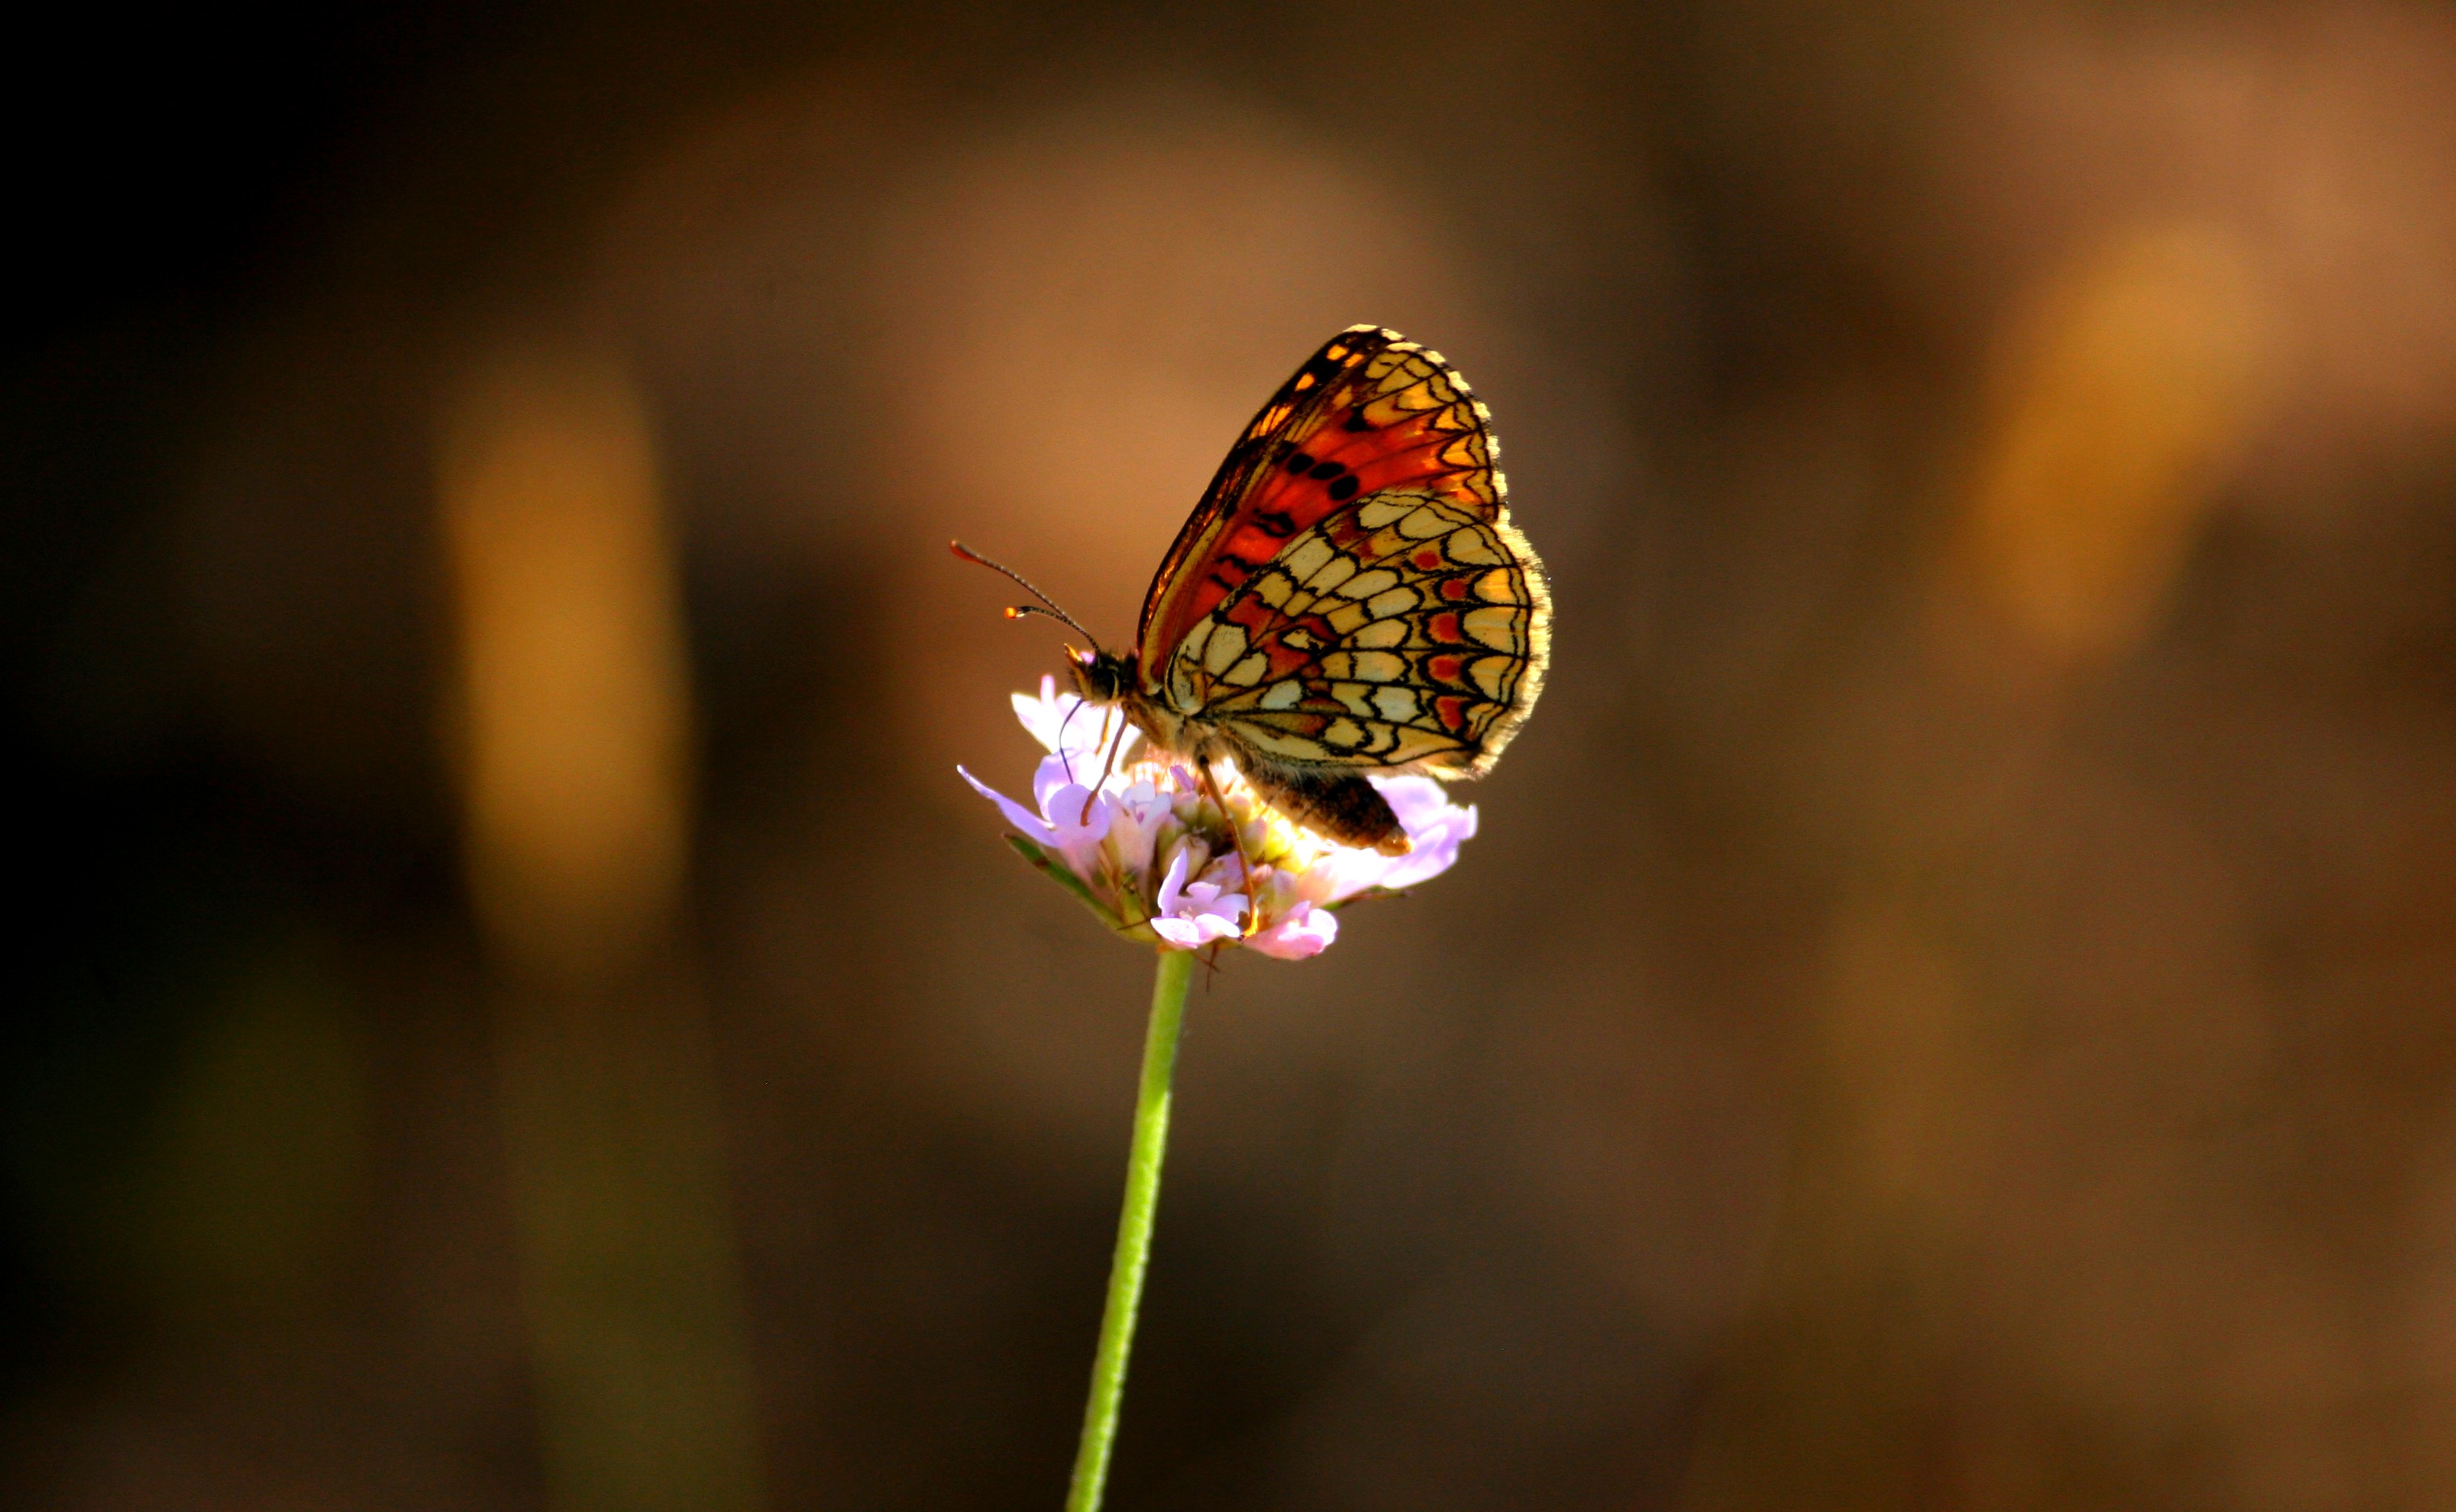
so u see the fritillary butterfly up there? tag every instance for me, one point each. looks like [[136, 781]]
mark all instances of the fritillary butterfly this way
[[1348, 598]]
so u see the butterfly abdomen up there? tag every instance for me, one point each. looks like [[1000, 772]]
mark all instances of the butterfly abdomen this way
[[1342, 806]]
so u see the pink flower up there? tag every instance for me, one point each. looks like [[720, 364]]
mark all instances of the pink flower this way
[[1140, 843]]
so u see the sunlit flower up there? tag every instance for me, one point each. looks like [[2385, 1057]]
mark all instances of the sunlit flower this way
[[1139, 841]]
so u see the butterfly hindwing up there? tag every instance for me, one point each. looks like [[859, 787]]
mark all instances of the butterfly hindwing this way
[[1403, 631]]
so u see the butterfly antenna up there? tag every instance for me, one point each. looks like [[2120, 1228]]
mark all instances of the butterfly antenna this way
[[1020, 610]]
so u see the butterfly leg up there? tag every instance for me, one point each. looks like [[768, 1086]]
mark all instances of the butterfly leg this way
[[1236, 837], [1106, 768]]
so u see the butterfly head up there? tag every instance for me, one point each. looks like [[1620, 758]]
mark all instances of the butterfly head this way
[[1100, 677]]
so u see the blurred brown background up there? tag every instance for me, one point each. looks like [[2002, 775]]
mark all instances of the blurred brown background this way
[[512, 1008]]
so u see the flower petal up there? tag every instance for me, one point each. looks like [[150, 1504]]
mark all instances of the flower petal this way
[[1303, 931], [1030, 824], [1192, 934], [1134, 834], [1057, 773], [1080, 733], [1171, 887], [1434, 827], [1078, 821], [1110, 831]]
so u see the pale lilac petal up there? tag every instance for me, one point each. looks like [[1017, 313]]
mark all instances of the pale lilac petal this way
[[1078, 821], [1228, 908], [1171, 887], [1052, 773], [1193, 935], [1188, 928], [1030, 824], [1196, 913], [1079, 734], [1213, 924], [1434, 827], [1115, 730], [1061, 771], [1182, 933], [1088, 734], [1042, 715], [1422, 805], [1230, 870], [1344, 874], [1071, 764], [1302, 931], [1134, 834], [1063, 724], [1114, 831], [1076, 844]]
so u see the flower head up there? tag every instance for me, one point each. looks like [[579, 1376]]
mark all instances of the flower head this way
[[1142, 843]]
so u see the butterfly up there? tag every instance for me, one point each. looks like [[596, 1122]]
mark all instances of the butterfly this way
[[1349, 597]]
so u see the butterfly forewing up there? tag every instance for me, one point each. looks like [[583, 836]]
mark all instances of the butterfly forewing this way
[[1369, 411]]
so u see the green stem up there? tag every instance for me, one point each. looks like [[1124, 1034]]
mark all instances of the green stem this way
[[1133, 1231]]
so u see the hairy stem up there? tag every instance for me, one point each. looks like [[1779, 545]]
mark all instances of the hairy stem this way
[[1133, 1231]]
